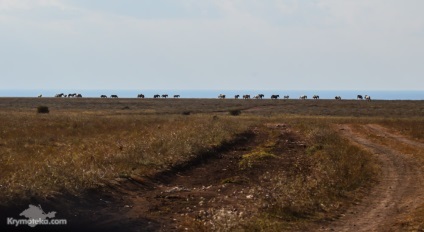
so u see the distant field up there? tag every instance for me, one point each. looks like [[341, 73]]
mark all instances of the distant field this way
[[89, 143], [345, 108]]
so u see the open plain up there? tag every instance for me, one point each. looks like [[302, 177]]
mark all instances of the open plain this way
[[214, 164]]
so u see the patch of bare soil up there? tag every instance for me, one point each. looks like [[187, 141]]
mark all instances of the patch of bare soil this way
[[399, 192], [190, 195]]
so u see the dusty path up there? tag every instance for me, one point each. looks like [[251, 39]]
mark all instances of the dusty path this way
[[209, 193], [399, 192]]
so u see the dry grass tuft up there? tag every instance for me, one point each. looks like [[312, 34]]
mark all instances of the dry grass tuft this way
[[320, 180], [44, 156]]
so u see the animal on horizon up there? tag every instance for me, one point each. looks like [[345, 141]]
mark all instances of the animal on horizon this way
[[103, 96], [221, 96], [367, 97], [236, 96], [303, 97], [275, 96], [246, 96], [41, 95], [259, 96], [316, 97], [359, 97], [113, 96], [164, 95], [286, 96], [338, 98], [140, 95], [176, 96]]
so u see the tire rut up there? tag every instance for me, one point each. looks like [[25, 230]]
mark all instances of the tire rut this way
[[383, 132], [398, 193]]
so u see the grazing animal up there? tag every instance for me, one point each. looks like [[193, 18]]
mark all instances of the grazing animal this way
[[338, 98], [367, 97], [359, 97], [103, 96], [156, 96], [176, 96], [164, 95], [260, 96], [286, 97], [79, 95], [303, 97], [41, 95], [114, 96], [236, 96], [275, 96], [316, 97], [59, 95], [221, 96], [140, 95], [247, 96]]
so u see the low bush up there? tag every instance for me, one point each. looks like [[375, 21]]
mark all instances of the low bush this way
[[235, 112], [43, 110]]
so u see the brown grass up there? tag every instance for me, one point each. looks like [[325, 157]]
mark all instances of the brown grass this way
[[320, 182], [86, 143], [47, 154]]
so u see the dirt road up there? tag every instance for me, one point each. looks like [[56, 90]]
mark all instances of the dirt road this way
[[401, 188]]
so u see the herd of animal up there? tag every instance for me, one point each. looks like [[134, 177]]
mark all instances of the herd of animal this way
[[302, 97], [221, 96]]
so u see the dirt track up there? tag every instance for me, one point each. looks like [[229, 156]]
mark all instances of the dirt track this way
[[399, 192], [199, 190], [209, 193]]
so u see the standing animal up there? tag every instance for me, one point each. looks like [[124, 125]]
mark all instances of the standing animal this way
[[236, 96], [41, 95], [221, 96], [367, 97], [156, 96], [303, 97], [176, 96], [140, 95], [59, 95], [316, 97], [286, 97], [103, 96], [164, 95], [275, 96], [338, 98], [261, 96], [79, 95], [247, 96], [359, 97], [114, 96]]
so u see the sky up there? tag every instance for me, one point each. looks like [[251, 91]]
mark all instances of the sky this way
[[212, 44]]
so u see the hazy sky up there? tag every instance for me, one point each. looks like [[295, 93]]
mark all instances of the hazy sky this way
[[212, 44]]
